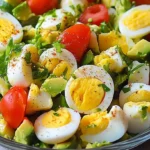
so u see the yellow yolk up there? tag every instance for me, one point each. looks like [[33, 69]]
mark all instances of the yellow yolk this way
[[139, 96], [94, 123], [6, 30], [138, 19], [57, 119], [87, 93], [104, 60], [107, 40]]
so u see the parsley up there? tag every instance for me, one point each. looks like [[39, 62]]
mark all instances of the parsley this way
[[91, 125], [58, 46], [88, 58], [28, 57], [105, 27], [74, 76], [72, 6], [58, 26], [126, 89], [143, 111], [56, 114], [5, 6], [137, 67], [106, 88], [141, 86], [79, 8], [65, 72]]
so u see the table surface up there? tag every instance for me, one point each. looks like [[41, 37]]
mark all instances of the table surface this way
[[144, 146]]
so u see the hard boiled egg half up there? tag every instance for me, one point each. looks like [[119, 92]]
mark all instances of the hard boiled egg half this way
[[9, 28], [59, 63], [100, 126], [135, 23], [57, 126], [138, 115], [89, 88], [134, 92]]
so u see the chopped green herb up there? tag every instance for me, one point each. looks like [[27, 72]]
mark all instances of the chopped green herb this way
[[106, 88], [141, 86], [125, 90], [72, 6], [58, 26], [65, 72], [79, 8], [90, 20], [88, 58], [74, 76], [91, 125], [58, 46], [105, 27], [137, 67], [143, 111], [28, 57], [56, 114], [5, 6]]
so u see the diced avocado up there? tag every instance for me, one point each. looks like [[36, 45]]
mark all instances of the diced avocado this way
[[24, 132], [13, 2], [4, 87], [5, 130], [93, 44], [70, 144], [54, 86], [88, 58], [97, 145], [140, 50], [41, 145], [22, 15]]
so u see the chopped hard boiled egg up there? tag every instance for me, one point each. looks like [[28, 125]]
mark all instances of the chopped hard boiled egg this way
[[100, 126], [138, 115], [89, 88], [135, 22], [134, 92], [110, 59], [57, 126], [59, 64], [9, 28]]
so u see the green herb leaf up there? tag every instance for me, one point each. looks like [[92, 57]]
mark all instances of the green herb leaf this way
[[105, 27], [137, 67], [126, 89], [28, 57], [58, 46], [106, 88], [88, 58], [56, 114], [5, 6], [143, 111], [65, 72], [91, 125], [74, 76]]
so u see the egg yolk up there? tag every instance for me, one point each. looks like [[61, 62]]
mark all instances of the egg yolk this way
[[57, 119], [58, 67], [7, 29], [87, 93], [94, 123], [139, 96], [138, 19], [112, 39]]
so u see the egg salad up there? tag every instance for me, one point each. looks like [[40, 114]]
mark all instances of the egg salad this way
[[74, 74]]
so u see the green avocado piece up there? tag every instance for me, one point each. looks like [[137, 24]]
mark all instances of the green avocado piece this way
[[54, 86], [22, 15], [13, 2], [24, 132], [140, 50], [88, 58], [97, 145], [5, 130], [70, 144]]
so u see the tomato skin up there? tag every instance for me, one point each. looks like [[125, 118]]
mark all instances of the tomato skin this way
[[141, 2], [13, 105], [41, 6], [76, 39], [98, 13]]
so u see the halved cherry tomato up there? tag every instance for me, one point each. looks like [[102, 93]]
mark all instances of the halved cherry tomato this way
[[141, 2], [96, 14], [13, 105], [76, 39], [41, 6]]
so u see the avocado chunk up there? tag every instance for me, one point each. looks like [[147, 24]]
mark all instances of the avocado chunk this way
[[88, 58], [13, 2], [54, 86], [5, 130], [70, 144], [140, 50], [4, 87], [24, 132], [22, 15], [97, 145]]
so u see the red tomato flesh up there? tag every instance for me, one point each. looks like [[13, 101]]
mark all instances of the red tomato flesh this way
[[76, 39], [141, 2], [13, 105], [97, 13], [41, 6]]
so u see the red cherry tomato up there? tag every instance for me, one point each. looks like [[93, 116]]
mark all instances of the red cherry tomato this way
[[12, 106], [141, 2], [97, 13], [41, 6], [76, 39]]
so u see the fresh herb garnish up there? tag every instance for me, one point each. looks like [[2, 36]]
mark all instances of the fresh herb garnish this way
[[106, 88], [58, 46], [143, 111], [91, 125], [74, 76], [56, 114], [126, 89], [28, 57]]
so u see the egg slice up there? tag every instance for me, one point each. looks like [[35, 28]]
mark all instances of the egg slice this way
[[138, 115], [111, 59], [100, 126], [9, 28], [56, 127], [59, 63], [135, 22], [134, 92], [89, 88]]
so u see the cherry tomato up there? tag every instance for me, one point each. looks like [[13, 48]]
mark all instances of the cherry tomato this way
[[141, 2], [13, 105], [96, 14], [76, 39], [41, 6]]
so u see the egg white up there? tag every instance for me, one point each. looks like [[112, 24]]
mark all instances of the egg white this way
[[117, 127], [60, 134], [131, 33], [18, 36], [134, 87], [95, 72]]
